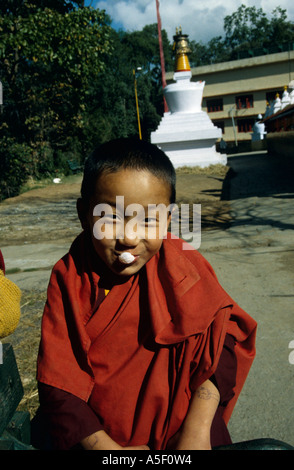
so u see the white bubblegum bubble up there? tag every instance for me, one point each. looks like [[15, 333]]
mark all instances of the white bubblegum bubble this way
[[126, 258]]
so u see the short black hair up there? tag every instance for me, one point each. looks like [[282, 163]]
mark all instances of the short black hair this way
[[128, 153]]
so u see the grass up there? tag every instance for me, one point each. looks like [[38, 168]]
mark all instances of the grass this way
[[25, 341], [216, 170], [33, 183]]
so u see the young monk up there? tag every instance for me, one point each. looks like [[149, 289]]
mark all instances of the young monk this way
[[144, 353]]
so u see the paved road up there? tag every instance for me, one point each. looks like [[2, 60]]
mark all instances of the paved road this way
[[254, 260]]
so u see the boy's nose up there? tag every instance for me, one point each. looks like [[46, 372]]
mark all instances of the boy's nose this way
[[128, 241], [129, 236]]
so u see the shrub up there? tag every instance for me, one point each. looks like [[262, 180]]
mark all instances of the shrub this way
[[15, 166]]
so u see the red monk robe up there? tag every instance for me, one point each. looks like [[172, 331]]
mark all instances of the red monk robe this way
[[154, 339]]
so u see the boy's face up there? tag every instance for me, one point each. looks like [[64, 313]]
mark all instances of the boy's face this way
[[121, 219]]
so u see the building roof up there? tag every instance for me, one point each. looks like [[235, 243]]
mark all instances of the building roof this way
[[280, 114]]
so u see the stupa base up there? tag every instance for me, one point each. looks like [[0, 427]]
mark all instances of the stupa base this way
[[189, 139], [192, 154]]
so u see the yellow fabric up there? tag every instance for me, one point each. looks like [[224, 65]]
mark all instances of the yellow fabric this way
[[10, 296]]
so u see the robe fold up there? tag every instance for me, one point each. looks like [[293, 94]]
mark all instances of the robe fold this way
[[156, 337]]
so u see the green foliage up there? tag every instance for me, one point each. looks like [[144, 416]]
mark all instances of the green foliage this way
[[112, 110], [47, 60], [247, 29], [15, 166], [250, 28], [281, 30], [50, 53], [21, 7]]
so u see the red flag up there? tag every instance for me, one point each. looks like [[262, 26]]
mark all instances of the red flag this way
[[161, 54]]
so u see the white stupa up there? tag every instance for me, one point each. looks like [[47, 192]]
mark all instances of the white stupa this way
[[291, 88], [276, 105], [286, 100], [258, 130], [186, 133]]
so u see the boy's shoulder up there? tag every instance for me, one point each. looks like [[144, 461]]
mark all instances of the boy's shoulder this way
[[74, 259], [181, 252]]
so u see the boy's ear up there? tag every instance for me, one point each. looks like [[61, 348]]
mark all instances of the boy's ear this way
[[82, 213]]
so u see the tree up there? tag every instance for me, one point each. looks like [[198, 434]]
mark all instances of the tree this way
[[249, 28], [112, 111], [23, 7], [49, 58], [47, 61], [281, 30], [212, 52], [245, 27]]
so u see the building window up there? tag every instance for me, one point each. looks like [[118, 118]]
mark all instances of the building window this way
[[220, 124], [245, 125], [244, 102], [213, 106]]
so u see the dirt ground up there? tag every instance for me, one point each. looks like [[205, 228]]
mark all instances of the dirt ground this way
[[49, 213]]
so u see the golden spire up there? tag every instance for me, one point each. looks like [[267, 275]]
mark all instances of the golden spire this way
[[181, 46]]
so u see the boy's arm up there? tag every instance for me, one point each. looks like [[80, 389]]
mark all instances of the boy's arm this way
[[195, 431], [67, 418], [70, 419], [193, 435], [205, 402]]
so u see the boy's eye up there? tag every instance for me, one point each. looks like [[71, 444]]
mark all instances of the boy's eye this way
[[111, 218], [150, 221]]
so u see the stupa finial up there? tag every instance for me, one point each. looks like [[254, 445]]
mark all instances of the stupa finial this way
[[182, 49]]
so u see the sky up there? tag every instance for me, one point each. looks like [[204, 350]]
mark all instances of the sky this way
[[201, 20]]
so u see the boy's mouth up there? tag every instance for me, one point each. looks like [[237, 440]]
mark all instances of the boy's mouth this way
[[127, 258]]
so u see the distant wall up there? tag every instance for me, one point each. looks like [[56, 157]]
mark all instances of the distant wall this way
[[281, 143], [246, 146]]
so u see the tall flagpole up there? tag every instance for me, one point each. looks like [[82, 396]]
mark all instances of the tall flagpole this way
[[161, 55]]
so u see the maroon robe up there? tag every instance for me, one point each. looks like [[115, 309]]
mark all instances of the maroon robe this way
[[137, 359]]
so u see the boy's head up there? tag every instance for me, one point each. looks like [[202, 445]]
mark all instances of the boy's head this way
[[127, 153], [123, 180]]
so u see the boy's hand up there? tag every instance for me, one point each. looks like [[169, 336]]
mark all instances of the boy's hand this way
[[136, 448], [183, 441], [101, 441]]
